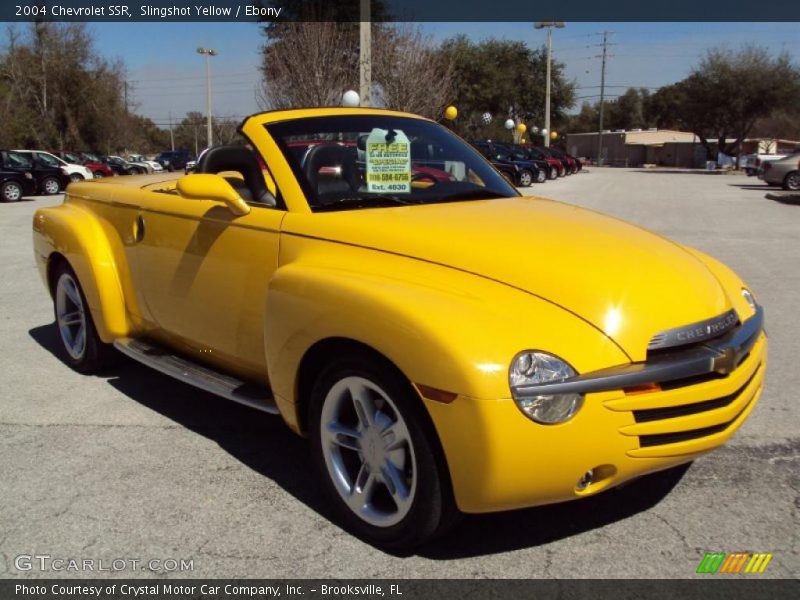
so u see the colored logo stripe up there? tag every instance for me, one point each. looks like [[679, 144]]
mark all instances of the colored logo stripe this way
[[734, 563]]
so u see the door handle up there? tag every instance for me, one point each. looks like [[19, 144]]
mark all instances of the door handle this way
[[138, 229]]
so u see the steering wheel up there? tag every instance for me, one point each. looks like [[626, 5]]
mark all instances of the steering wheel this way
[[421, 176]]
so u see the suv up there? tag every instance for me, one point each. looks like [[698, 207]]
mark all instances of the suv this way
[[46, 175], [174, 160], [523, 172]]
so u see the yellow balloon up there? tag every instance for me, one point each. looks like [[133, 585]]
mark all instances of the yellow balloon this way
[[522, 128], [553, 135], [450, 113]]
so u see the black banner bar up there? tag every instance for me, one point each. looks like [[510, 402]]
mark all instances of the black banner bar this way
[[710, 587], [399, 10]]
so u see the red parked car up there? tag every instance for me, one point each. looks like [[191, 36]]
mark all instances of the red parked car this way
[[98, 168]]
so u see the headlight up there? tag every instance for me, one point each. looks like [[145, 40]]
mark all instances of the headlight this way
[[748, 296], [533, 368]]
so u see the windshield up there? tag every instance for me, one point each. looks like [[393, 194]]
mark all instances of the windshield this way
[[71, 158], [47, 160], [366, 161], [91, 157]]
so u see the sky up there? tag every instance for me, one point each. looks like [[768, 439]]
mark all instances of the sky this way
[[167, 77]]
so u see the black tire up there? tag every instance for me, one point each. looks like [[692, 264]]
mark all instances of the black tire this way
[[51, 186], [98, 174], [552, 173], [95, 354], [432, 509], [525, 178], [541, 176], [76, 177], [11, 191], [792, 181]]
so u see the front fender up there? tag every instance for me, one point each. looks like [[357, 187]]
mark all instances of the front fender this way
[[76, 234], [441, 327]]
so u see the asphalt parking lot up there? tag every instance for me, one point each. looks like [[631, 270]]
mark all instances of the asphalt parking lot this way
[[134, 465]]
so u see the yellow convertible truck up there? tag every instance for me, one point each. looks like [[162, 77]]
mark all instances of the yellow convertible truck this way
[[445, 344]]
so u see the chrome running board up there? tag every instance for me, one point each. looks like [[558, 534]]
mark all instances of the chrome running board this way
[[207, 379]]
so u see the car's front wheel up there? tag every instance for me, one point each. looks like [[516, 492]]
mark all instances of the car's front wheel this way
[[51, 186], [541, 176], [525, 178], [552, 173], [83, 349], [792, 181], [11, 191], [374, 447], [98, 174]]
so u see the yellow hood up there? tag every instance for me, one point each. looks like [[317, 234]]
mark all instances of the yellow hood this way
[[628, 282]]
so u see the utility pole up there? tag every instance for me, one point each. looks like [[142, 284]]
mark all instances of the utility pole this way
[[208, 52], [125, 124], [549, 26], [365, 53], [604, 56], [171, 135]]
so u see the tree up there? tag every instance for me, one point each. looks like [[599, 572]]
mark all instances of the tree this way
[[313, 64], [505, 79], [58, 92], [727, 94], [411, 75]]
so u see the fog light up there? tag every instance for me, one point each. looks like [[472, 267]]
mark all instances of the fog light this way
[[585, 480]]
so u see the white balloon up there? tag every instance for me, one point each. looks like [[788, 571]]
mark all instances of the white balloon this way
[[544, 130], [510, 124], [350, 99]]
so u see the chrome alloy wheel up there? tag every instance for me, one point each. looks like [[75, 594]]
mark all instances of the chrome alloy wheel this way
[[368, 451], [71, 316]]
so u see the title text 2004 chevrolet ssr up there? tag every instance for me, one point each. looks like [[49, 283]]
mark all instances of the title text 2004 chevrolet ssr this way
[[444, 343]]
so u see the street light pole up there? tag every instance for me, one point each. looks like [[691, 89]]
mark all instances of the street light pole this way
[[549, 26], [208, 52]]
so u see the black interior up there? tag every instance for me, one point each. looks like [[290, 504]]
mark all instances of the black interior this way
[[242, 160], [331, 155]]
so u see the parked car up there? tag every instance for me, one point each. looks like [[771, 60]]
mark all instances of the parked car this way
[[521, 153], [752, 162], [90, 161], [784, 172], [15, 184], [75, 172], [174, 160], [155, 167], [123, 167], [448, 347], [556, 167], [48, 177], [570, 164], [522, 172]]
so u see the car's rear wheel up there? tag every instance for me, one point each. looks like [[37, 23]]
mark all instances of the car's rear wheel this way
[[792, 181], [83, 349], [541, 176], [51, 186], [98, 174], [525, 178], [552, 173], [376, 455], [11, 191], [76, 177]]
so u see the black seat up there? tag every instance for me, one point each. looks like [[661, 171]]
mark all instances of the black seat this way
[[242, 160], [331, 155]]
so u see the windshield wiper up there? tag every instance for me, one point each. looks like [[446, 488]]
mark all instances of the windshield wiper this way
[[376, 200]]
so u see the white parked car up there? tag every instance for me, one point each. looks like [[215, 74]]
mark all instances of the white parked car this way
[[73, 171], [139, 158]]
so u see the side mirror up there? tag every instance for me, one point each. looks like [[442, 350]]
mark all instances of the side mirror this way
[[205, 186]]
